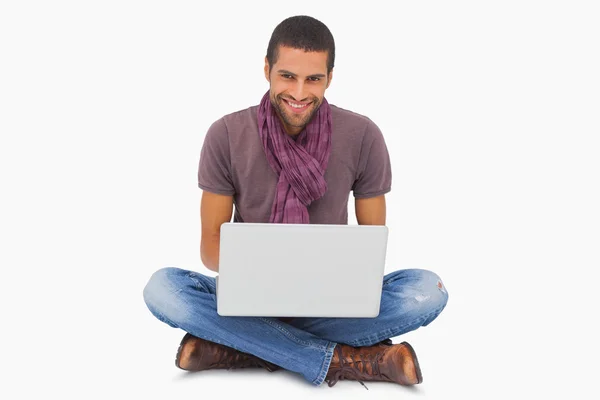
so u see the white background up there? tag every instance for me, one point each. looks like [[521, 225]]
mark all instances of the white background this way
[[490, 111]]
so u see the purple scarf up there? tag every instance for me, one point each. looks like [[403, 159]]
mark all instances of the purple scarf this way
[[300, 164]]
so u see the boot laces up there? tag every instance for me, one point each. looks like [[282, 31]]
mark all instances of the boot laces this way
[[357, 368]]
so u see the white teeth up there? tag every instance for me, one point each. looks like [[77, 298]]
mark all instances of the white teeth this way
[[296, 106]]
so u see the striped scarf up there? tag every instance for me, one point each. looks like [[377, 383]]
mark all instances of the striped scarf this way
[[300, 164]]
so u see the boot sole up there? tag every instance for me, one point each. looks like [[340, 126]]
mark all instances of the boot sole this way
[[415, 361]]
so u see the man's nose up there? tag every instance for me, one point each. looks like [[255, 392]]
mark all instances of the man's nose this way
[[298, 91]]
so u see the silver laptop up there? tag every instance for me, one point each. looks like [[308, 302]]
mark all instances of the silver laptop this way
[[300, 270]]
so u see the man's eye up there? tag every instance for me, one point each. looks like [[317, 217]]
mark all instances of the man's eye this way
[[314, 79], [286, 76]]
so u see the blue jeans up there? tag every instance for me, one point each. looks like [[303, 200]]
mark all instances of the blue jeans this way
[[183, 299]]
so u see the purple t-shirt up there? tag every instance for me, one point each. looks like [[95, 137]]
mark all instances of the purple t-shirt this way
[[233, 162]]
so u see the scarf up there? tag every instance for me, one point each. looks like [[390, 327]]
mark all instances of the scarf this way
[[300, 164]]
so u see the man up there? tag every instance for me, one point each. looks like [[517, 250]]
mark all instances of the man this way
[[294, 158]]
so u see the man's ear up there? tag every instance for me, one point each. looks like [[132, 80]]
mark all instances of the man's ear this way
[[267, 70], [329, 77]]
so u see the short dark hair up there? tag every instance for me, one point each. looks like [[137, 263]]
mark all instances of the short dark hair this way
[[302, 32]]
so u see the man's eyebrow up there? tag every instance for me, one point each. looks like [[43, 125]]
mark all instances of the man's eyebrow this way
[[283, 71]]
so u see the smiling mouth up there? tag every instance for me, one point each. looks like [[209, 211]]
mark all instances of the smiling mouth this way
[[296, 107]]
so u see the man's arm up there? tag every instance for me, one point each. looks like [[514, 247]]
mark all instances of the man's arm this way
[[370, 211], [215, 209]]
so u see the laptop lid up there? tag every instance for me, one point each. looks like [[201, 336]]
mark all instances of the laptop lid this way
[[300, 270]]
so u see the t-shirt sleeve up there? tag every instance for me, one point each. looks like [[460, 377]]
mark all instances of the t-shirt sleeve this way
[[374, 174], [214, 168]]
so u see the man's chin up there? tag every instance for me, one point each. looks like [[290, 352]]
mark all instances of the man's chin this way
[[297, 121]]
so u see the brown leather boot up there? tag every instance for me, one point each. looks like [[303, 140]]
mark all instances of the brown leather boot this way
[[381, 362], [195, 354]]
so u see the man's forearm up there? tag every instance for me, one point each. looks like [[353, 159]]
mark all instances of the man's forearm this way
[[209, 253]]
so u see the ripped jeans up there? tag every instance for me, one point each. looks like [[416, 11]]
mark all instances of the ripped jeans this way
[[183, 299]]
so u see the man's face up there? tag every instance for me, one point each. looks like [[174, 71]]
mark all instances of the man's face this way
[[298, 81]]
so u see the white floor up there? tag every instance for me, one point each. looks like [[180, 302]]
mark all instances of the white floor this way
[[156, 373]]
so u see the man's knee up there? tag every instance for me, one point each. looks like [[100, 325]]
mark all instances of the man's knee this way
[[162, 295], [433, 289], [424, 286]]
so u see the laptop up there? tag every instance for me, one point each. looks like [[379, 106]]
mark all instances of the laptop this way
[[300, 270]]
